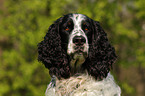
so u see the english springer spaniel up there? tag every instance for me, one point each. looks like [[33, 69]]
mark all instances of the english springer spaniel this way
[[79, 57]]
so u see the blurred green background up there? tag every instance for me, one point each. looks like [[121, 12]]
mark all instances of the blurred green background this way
[[23, 24]]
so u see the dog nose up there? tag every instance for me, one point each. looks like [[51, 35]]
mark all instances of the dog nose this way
[[79, 40]]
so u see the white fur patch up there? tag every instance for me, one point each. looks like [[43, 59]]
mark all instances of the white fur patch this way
[[84, 85], [77, 31]]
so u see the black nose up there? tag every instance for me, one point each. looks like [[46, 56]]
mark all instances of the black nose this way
[[80, 40]]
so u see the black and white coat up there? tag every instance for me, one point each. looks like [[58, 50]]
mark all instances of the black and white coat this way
[[79, 57]]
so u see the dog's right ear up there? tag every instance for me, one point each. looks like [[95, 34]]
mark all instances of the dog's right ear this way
[[51, 54], [46, 48]]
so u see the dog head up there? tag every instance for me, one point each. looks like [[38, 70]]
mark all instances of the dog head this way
[[75, 43]]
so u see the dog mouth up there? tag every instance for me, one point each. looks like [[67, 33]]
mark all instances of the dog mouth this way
[[77, 59], [79, 52], [79, 49]]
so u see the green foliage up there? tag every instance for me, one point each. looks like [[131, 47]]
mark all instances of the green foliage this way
[[128, 88], [25, 22], [23, 25]]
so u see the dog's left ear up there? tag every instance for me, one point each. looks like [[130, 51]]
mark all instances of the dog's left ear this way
[[101, 53]]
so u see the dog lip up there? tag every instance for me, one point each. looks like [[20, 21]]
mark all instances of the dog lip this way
[[76, 47], [79, 50]]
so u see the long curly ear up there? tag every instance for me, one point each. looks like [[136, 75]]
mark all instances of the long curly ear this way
[[101, 54], [51, 54]]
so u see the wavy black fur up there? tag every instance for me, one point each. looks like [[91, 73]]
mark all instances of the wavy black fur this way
[[101, 54], [98, 63], [52, 55]]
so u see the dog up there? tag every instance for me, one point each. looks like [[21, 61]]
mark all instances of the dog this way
[[79, 57]]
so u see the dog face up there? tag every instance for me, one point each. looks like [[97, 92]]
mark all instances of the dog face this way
[[76, 32], [75, 43]]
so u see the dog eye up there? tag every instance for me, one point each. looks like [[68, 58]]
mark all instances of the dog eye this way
[[86, 29], [66, 29]]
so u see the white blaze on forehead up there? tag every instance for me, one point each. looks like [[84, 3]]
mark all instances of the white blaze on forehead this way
[[77, 20]]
